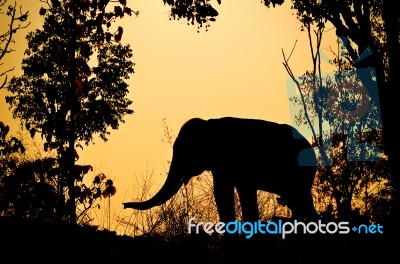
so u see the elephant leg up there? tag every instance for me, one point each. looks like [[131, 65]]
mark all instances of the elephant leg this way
[[224, 197], [309, 212], [300, 200], [248, 202], [301, 206]]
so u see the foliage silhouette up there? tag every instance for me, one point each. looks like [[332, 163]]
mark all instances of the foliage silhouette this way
[[8, 146], [368, 28], [64, 97], [31, 190], [342, 117], [17, 20]]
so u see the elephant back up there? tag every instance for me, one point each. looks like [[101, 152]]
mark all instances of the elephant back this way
[[272, 142]]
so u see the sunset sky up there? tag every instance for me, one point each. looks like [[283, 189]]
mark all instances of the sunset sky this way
[[234, 69]]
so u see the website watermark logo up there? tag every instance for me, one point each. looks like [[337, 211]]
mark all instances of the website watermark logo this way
[[345, 101], [249, 229]]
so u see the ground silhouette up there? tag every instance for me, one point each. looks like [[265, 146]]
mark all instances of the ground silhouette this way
[[27, 240]]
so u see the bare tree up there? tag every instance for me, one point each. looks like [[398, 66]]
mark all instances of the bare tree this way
[[16, 20], [346, 130]]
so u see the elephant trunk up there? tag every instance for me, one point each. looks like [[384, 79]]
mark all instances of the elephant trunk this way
[[170, 188]]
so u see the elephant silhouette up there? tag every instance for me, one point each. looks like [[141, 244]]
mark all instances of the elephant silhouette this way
[[246, 154]]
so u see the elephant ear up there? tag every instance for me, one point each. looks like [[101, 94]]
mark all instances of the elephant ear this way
[[192, 147], [186, 180], [209, 145], [203, 142]]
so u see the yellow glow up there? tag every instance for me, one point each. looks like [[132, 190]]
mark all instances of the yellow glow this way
[[234, 69]]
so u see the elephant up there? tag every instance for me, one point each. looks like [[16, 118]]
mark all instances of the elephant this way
[[246, 154]]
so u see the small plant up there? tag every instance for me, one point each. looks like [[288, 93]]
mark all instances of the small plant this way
[[100, 188]]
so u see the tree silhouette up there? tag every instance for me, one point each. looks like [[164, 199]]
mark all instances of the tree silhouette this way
[[199, 12], [8, 146], [27, 191], [347, 132], [371, 30], [74, 81], [17, 20]]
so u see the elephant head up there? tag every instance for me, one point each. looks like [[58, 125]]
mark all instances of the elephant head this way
[[189, 159], [245, 154]]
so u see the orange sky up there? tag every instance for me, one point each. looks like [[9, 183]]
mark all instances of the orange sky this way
[[234, 69]]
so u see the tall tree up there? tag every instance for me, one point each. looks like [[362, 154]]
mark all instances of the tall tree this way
[[346, 128], [74, 82], [371, 30]]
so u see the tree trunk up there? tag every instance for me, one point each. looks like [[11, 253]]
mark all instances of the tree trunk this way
[[70, 152], [390, 95]]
